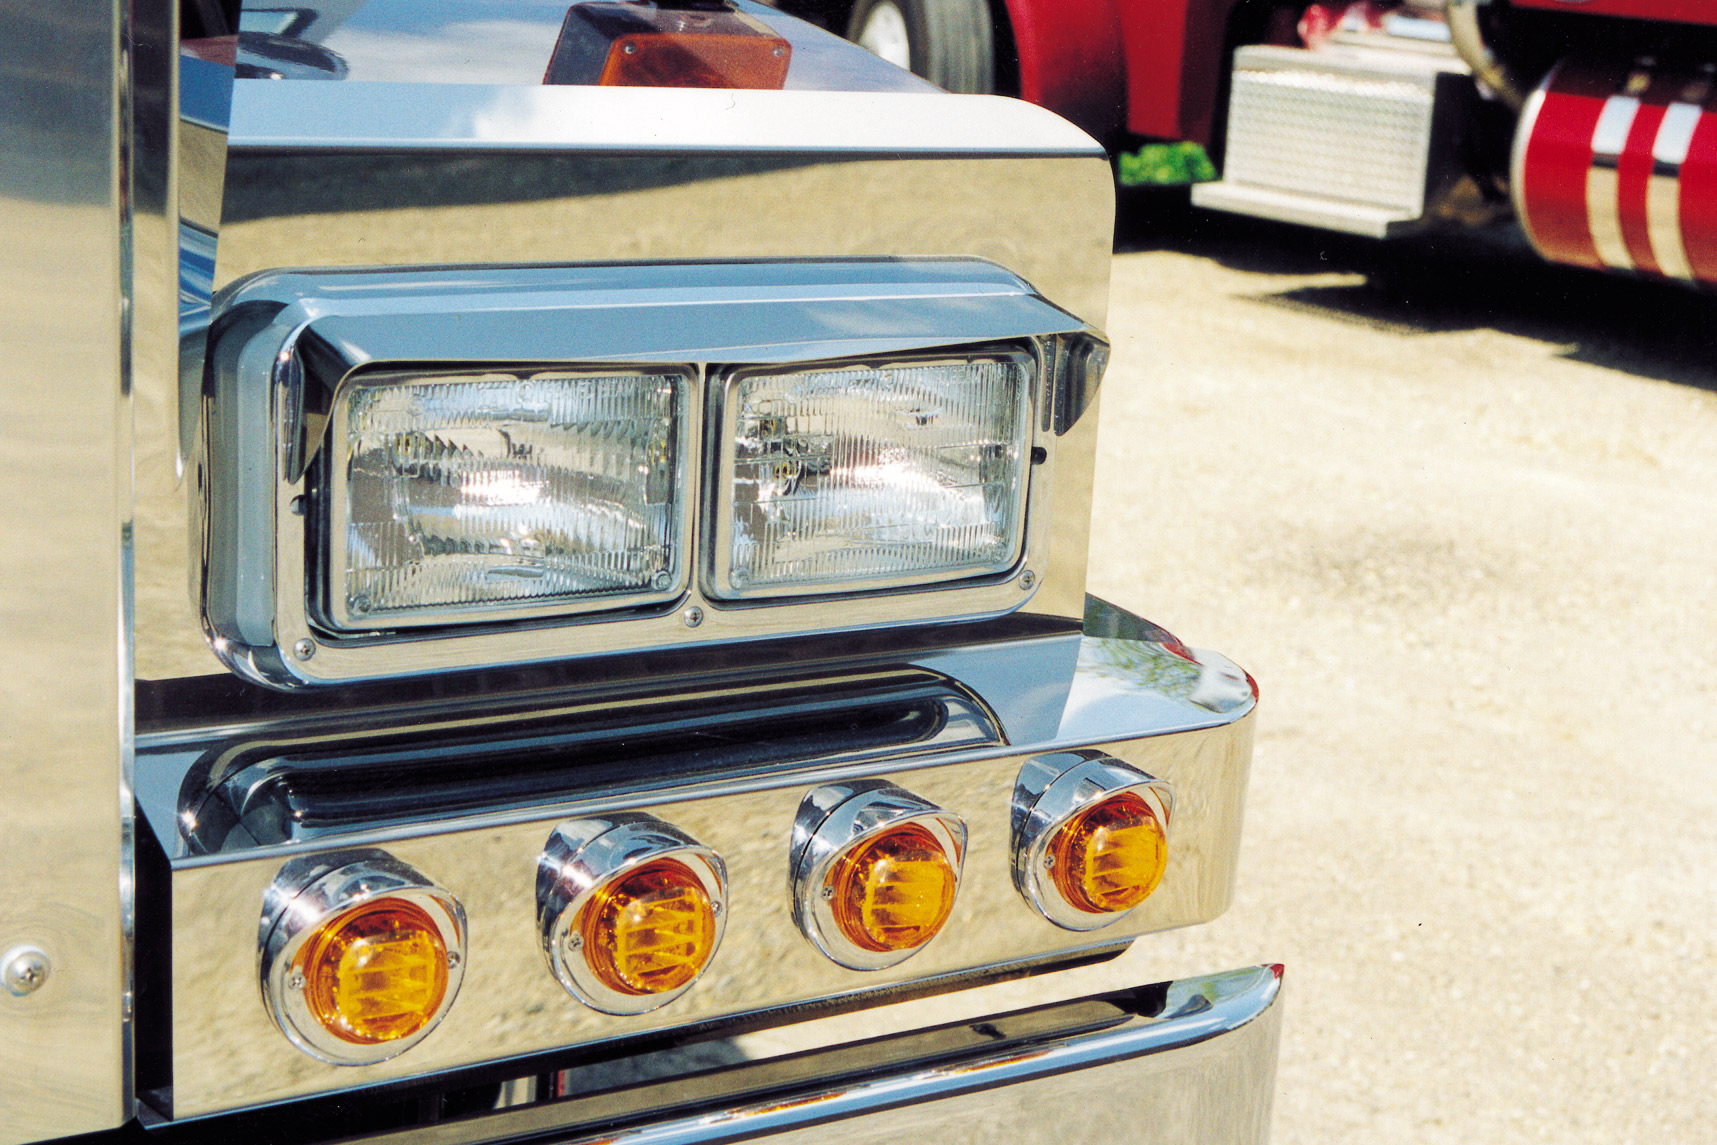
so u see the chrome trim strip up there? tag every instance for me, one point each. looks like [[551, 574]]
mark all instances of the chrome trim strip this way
[[1603, 202], [1663, 194], [1193, 1060], [68, 286]]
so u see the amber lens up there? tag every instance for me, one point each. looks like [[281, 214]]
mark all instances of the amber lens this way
[[893, 892], [1110, 856], [375, 974], [650, 931]]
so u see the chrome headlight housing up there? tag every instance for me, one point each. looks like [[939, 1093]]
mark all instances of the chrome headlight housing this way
[[411, 471]]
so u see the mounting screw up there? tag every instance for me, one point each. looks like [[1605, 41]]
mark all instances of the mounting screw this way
[[295, 980], [304, 649], [715, 907], [828, 892], [693, 616], [1026, 580], [575, 941], [453, 960], [24, 969]]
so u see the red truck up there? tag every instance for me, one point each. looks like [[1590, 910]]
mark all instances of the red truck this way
[[1590, 120]]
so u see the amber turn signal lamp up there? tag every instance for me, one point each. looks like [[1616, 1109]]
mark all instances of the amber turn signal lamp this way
[[1091, 837], [650, 931], [875, 871], [683, 44], [376, 974], [361, 959], [630, 909], [1110, 856], [894, 891]]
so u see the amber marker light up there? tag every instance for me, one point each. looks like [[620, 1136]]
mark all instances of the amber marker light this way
[[1090, 837], [650, 931], [875, 872], [362, 958], [631, 911]]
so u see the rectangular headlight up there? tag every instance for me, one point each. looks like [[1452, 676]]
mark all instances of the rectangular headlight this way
[[456, 499], [854, 477]]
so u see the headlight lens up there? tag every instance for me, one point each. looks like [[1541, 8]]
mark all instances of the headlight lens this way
[[863, 476], [484, 496]]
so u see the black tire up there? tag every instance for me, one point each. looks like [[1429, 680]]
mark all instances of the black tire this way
[[952, 42]]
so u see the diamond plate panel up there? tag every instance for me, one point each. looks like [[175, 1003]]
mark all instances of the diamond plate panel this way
[[1333, 134]]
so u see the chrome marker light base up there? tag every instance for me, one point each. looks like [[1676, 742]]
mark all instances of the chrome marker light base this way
[[585, 855], [310, 894], [1051, 790], [838, 818]]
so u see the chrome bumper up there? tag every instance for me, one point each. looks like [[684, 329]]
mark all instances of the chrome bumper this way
[[1187, 1062]]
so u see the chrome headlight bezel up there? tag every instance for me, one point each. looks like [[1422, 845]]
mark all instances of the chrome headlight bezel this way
[[284, 343]]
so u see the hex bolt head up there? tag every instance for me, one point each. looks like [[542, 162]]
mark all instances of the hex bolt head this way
[[24, 969]]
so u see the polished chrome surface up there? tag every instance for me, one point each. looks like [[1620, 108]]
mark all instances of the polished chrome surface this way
[[1468, 40], [65, 461], [1132, 699], [499, 175], [1190, 1062], [299, 784], [1051, 790], [314, 892], [833, 821], [585, 855], [296, 339], [205, 108]]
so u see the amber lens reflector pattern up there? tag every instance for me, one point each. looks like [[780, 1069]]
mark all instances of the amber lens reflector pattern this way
[[1110, 856], [375, 974], [651, 931], [894, 891]]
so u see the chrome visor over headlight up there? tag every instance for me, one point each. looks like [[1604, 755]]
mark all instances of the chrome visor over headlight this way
[[475, 497], [864, 476]]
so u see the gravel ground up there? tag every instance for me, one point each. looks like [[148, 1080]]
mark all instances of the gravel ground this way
[[1457, 511]]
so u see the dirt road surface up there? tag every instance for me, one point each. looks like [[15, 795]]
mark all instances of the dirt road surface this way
[[1457, 512]]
